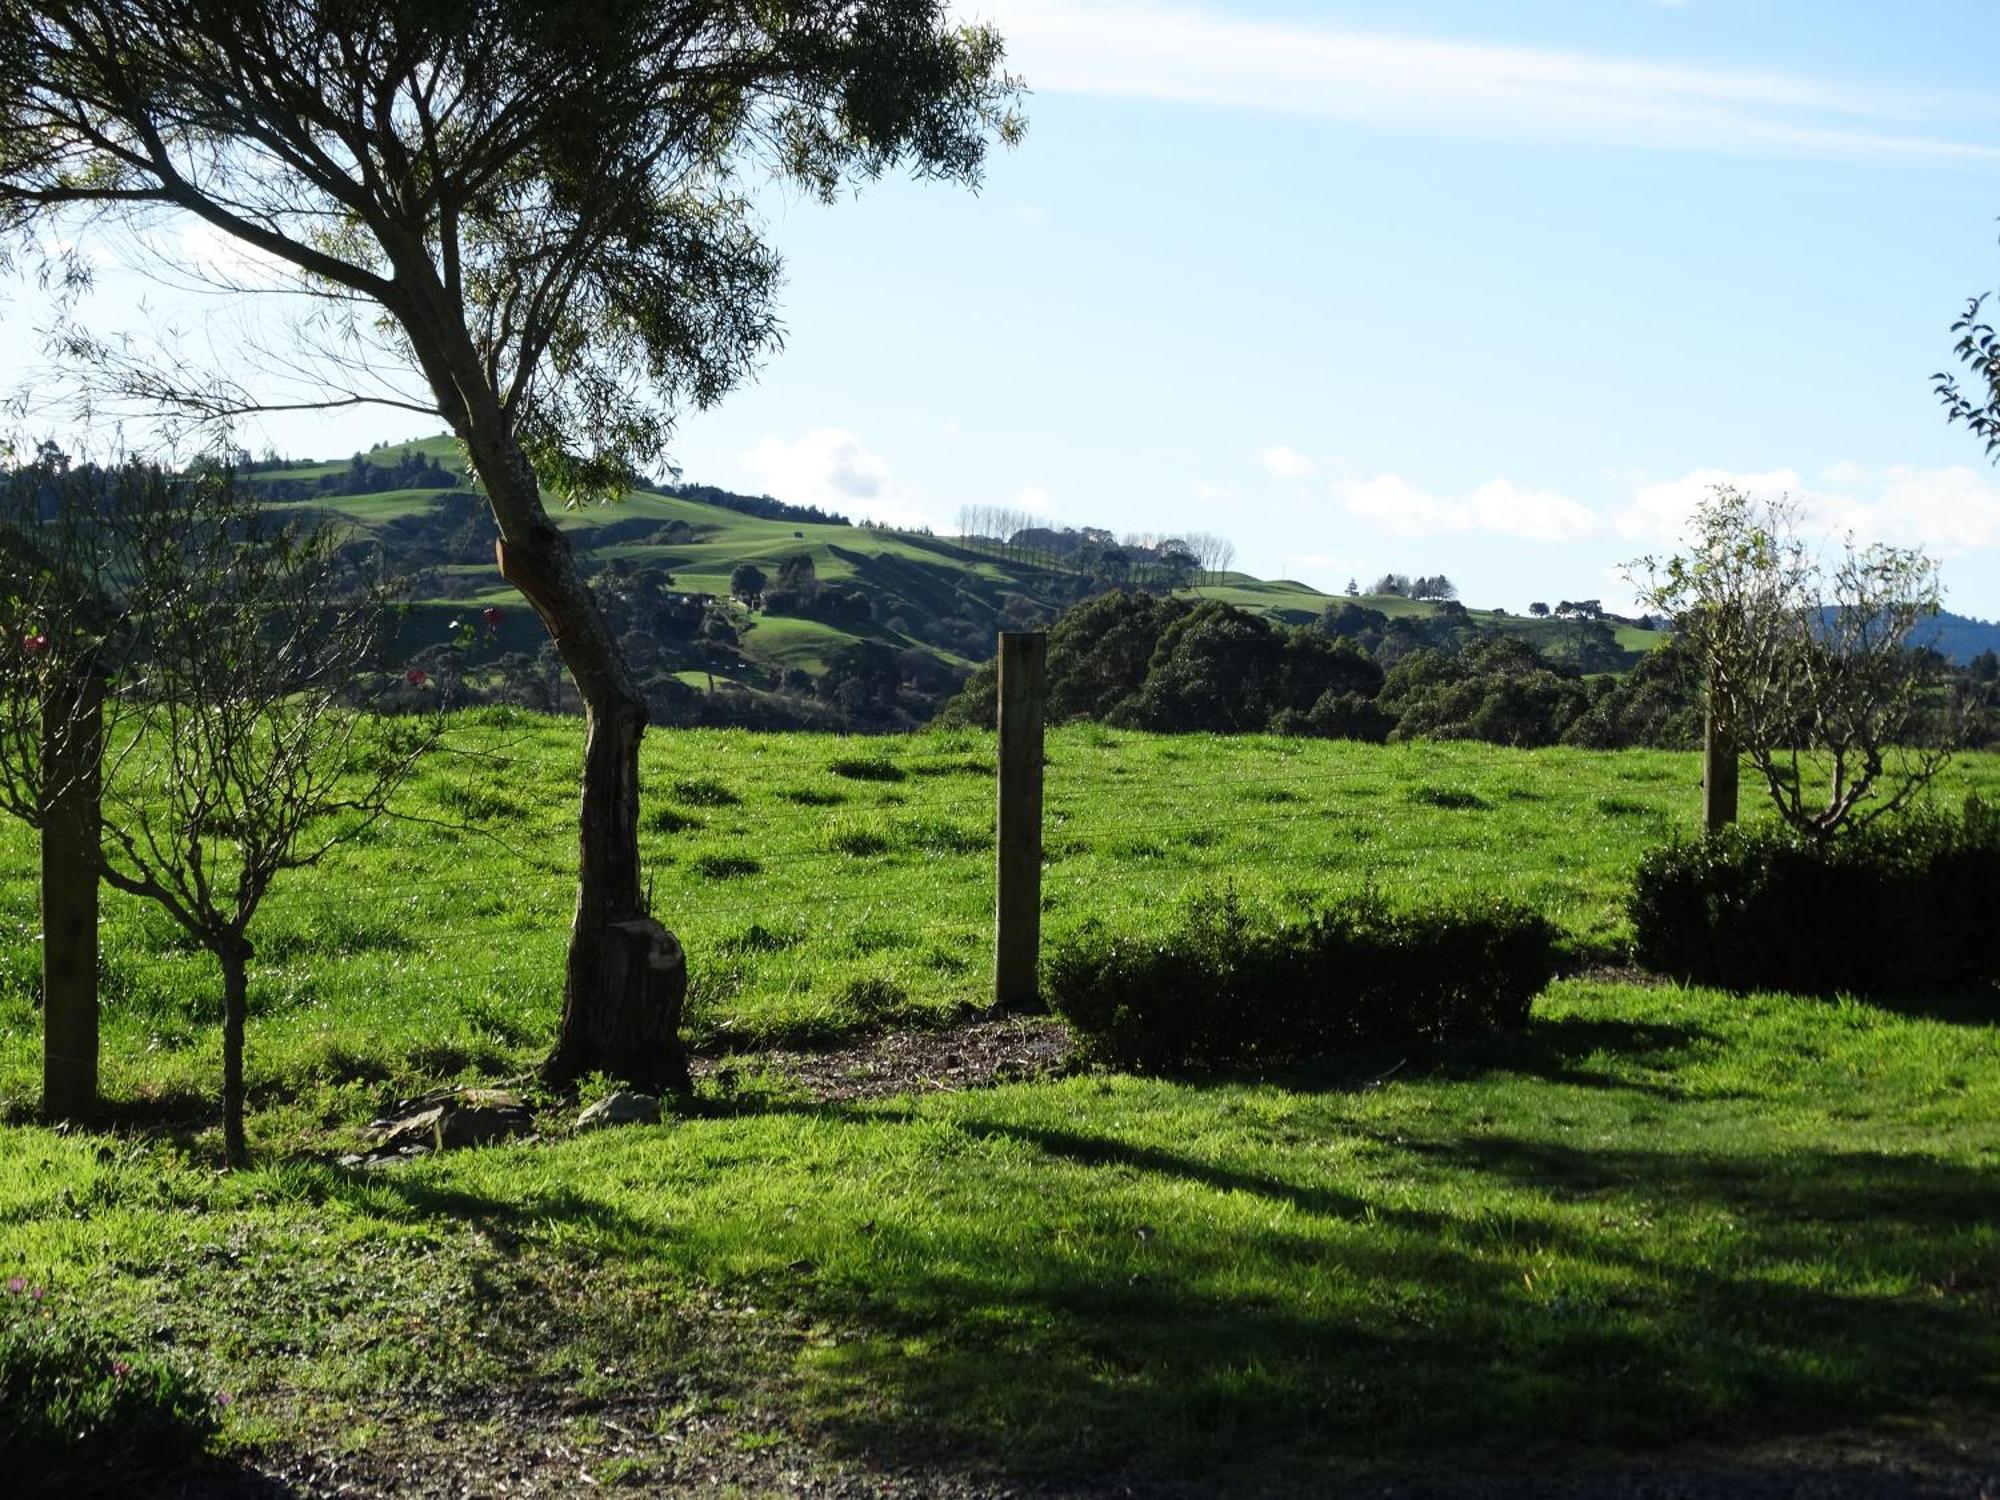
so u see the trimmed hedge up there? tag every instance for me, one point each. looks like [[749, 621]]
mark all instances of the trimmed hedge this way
[[1222, 991], [1913, 906]]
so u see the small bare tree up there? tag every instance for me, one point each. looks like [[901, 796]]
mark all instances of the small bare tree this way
[[1809, 668], [231, 641]]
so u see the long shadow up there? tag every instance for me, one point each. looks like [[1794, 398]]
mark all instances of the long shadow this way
[[1319, 1328], [1964, 1008], [1553, 1051]]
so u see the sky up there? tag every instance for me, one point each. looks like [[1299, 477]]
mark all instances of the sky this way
[[1494, 290]]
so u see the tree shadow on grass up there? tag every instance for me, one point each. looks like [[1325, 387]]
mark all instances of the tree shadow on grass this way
[[1971, 1007], [1554, 1050], [1048, 1297]]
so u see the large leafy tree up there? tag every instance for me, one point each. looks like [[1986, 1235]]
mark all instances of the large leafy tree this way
[[535, 209]]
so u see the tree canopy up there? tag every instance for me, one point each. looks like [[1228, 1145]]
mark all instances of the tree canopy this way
[[529, 217]]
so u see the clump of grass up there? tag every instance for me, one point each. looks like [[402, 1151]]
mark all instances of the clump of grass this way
[[757, 938], [873, 999], [672, 820], [874, 768], [942, 836], [874, 937], [726, 866], [1449, 798], [1623, 807], [812, 796], [703, 791], [859, 842]]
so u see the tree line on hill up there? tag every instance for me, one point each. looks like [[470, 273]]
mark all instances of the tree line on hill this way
[[408, 470], [1173, 665], [1102, 559]]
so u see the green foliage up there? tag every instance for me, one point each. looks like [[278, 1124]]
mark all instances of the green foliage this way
[[1223, 991], [1907, 908], [82, 1412], [1805, 665]]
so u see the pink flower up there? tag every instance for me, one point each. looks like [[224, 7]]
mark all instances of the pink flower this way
[[223, 1398], [16, 1286], [35, 1294], [120, 1368]]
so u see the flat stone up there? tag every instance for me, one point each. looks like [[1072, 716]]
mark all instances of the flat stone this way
[[622, 1108], [452, 1121]]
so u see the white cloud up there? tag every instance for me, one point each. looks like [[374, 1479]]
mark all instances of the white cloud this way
[[1287, 463], [1200, 54], [834, 470], [1034, 499], [1658, 513], [1201, 489], [1944, 511], [1499, 507], [221, 257]]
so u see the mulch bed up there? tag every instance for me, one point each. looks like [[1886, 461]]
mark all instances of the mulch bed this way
[[973, 1054]]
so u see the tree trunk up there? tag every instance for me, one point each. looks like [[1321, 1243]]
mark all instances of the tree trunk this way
[[234, 956], [626, 977], [1719, 772], [72, 747]]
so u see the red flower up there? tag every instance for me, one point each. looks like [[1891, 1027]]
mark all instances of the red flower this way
[[416, 677], [491, 615], [35, 644]]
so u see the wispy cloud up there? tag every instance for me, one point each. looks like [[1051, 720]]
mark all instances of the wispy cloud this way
[[835, 470], [1152, 49], [1288, 463], [1945, 511], [1499, 507]]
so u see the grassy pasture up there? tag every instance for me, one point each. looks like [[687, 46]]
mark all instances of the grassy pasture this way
[[822, 883], [1658, 1215]]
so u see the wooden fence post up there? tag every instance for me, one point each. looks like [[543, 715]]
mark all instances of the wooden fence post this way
[[1017, 947], [72, 751], [1718, 773]]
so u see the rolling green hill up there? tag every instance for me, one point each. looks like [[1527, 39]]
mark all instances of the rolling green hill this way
[[922, 609]]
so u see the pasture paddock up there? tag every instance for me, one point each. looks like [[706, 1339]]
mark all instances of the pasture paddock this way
[[1761, 1225]]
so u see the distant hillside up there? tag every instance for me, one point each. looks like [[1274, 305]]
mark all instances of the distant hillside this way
[[1959, 638], [858, 627]]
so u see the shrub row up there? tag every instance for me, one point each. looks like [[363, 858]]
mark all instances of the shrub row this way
[[1905, 907], [1224, 991]]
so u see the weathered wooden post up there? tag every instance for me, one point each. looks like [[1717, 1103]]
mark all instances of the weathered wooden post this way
[[1718, 771], [71, 754], [1018, 896]]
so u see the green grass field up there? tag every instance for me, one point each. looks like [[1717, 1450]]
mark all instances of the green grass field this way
[[1657, 1216]]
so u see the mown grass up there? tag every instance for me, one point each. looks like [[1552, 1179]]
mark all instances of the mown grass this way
[[1657, 1214], [434, 947]]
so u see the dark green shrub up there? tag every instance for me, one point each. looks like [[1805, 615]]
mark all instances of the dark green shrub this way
[[1902, 907], [1222, 990], [83, 1415]]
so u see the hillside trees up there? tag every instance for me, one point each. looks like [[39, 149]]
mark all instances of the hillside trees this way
[[520, 216]]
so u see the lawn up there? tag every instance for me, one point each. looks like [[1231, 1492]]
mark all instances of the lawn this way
[[1658, 1216]]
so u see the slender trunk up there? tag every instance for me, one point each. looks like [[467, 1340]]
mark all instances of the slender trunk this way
[[626, 977], [234, 956], [1719, 776], [72, 748]]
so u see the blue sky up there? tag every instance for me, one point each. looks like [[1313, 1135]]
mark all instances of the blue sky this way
[[1487, 289]]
